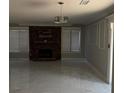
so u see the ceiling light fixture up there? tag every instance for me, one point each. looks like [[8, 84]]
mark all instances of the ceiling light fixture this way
[[61, 19], [84, 2]]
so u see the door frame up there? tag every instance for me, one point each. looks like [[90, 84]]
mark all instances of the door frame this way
[[110, 50]]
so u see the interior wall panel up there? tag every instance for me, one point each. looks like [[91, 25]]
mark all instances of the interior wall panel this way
[[97, 51]]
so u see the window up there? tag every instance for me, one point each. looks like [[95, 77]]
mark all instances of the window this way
[[75, 41], [19, 40], [14, 41], [71, 40]]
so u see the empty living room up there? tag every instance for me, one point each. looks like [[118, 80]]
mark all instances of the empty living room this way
[[61, 46]]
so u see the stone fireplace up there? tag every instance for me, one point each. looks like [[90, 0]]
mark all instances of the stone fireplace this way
[[44, 43]]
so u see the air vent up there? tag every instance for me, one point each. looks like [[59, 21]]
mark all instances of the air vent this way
[[84, 2]]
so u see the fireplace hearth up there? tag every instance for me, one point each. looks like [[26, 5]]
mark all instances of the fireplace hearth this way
[[45, 53]]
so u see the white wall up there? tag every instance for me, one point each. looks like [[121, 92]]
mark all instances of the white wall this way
[[97, 46]]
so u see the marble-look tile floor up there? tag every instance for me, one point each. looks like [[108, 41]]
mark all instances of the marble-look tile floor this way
[[54, 77]]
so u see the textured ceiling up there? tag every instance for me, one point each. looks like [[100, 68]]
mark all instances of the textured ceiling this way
[[44, 11]]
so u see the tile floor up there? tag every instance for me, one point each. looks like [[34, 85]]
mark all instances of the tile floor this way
[[54, 77]]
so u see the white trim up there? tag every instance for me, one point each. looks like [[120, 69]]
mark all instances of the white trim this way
[[102, 23], [71, 28], [97, 72], [14, 30], [20, 59], [110, 52], [97, 36], [74, 60], [19, 28]]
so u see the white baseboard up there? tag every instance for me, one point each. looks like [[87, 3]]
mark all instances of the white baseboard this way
[[100, 75], [21, 59], [74, 60]]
